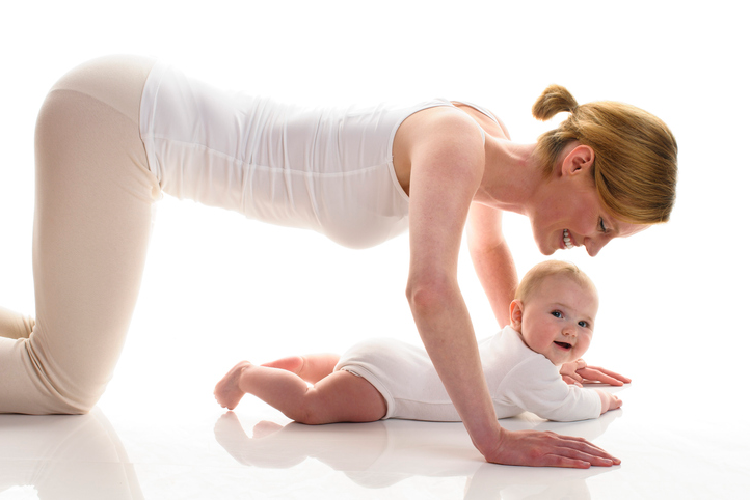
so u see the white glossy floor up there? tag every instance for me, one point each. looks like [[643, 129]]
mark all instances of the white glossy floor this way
[[198, 451]]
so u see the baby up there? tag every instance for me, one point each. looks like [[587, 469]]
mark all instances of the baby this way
[[552, 322]]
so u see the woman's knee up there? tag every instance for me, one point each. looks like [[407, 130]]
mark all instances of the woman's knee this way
[[32, 384]]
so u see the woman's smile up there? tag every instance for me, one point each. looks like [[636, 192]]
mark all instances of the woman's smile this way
[[566, 239]]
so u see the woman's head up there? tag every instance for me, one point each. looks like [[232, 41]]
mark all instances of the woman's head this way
[[635, 154]]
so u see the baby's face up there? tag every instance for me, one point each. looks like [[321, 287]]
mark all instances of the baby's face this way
[[557, 320]]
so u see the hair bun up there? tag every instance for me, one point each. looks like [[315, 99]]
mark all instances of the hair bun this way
[[554, 99]]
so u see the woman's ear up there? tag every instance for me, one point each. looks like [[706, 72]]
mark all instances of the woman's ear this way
[[580, 159], [516, 314]]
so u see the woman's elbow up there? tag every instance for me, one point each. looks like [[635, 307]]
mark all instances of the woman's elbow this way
[[425, 297]]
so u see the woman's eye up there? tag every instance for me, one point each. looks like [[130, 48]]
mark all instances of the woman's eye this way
[[602, 227]]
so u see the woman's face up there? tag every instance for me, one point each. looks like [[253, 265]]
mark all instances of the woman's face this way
[[570, 214]]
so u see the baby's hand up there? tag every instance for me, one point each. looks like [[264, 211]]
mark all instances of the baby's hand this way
[[569, 372], [609, 401]]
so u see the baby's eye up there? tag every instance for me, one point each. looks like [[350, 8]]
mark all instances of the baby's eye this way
[[583, 324], [557, 314]]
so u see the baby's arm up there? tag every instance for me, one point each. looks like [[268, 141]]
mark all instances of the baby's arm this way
[[609, 401], [536, 386]]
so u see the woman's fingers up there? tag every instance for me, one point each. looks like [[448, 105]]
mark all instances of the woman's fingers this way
[[598, 374], [583, 449], [571, 381], [587, 452], [611, 373]]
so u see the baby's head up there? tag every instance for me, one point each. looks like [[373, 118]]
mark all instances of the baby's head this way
[[554, 310]]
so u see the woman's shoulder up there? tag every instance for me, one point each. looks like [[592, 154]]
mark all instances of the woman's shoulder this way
[[443, 141], [440, 125], [461, 120], [488, 120]]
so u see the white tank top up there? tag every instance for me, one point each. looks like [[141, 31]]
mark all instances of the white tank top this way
[[326, 169]]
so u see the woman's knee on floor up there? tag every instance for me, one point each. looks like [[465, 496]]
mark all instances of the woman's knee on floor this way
[[32, 385]]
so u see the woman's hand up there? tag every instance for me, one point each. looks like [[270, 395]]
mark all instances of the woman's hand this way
[[547, 449], [578, 373]]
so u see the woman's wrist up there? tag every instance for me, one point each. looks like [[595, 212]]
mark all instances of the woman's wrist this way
[[485, 436]]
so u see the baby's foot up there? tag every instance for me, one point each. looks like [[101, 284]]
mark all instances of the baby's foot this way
[[227, 391]]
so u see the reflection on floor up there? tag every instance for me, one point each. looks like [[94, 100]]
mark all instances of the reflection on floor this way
[[380, 454], [64, 457], [256, 453]]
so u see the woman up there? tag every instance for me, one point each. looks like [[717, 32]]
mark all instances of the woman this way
[[115, 133]]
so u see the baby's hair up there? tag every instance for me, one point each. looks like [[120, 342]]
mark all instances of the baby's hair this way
[[538, 273], [635, 163]]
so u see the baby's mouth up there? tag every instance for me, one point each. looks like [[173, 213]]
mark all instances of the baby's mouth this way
[[564, 345]]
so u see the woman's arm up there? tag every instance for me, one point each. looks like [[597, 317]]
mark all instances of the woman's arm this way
[[492, 259], [447, 162]]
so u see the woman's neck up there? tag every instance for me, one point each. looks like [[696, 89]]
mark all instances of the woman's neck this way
[[511, 176]]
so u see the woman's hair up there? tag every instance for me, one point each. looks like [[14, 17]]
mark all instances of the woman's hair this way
[[635, 163], [544, 269]]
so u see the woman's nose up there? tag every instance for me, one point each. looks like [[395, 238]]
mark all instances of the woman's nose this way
[[593, 245], [592, 248]]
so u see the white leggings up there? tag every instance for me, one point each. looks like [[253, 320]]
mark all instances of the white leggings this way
[[92, 219]]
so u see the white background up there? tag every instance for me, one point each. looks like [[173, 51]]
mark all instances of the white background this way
[[219, 288]]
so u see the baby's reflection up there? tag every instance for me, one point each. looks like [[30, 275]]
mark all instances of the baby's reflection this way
[[66, 456], [379, 454]]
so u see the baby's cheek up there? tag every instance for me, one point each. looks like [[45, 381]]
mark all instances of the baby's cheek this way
[[581, 348]]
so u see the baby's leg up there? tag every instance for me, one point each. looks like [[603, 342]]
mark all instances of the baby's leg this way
[[311, 368], [339, 397]]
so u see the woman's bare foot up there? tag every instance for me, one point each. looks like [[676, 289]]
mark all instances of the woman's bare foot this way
[[227, 391]]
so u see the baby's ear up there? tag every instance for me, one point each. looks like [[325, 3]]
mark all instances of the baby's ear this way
[[516, 314]]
